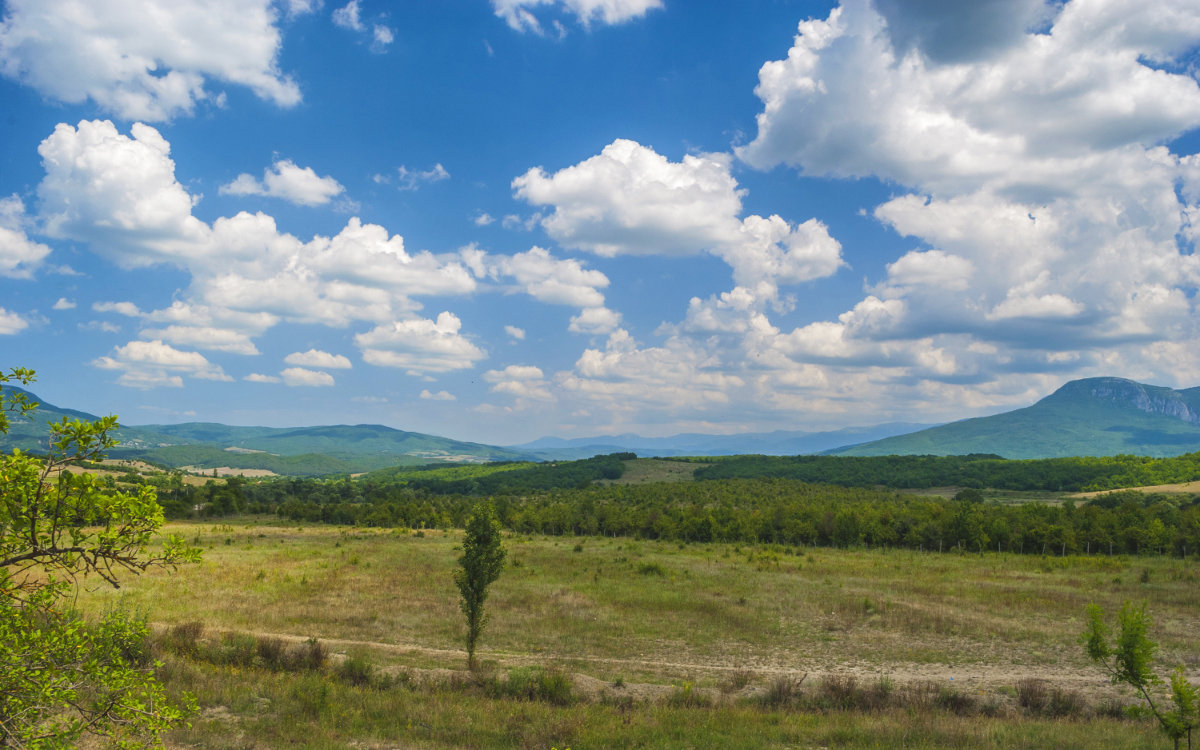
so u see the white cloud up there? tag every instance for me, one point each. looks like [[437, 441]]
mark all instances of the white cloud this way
[[299, 376], [103, 326], [413, 179], [11, 323], [381, 37], [64, 304], [519, 15], [128, 309], [1052, 228], [521, 381], [19, 255], [204, 337], [284, 179], [300, 7], [438, 396], [553, 280], [515, 333], [482, 219], [149, 364], [256, 377], [318, 358], [348, 17], [420, 345], [630, 200], [595, 320], [146, 60], [120, 195]]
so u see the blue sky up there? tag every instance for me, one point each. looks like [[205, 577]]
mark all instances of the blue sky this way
[[501, 219]]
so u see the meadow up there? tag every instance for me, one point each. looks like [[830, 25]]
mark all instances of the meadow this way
[[602, 642]]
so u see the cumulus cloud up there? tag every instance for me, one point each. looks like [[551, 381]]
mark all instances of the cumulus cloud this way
[[151, 60], [284, 179], [19, 255], [204, 337], [11, 323], [437, 396], [257, 377], [64, 304], [420, 345], [318, 358], [300, 376], [151, 364], [1052, 229], [119, 194], [515, 333], [520, 16], [520, 381], [630, 200]]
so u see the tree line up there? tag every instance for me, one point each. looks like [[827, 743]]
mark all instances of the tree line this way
[[1076, 474], [778, 511]]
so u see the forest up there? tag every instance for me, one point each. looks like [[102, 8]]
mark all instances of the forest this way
[[565, 499]]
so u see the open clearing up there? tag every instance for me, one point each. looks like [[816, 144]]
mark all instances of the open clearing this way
[[639, 619]]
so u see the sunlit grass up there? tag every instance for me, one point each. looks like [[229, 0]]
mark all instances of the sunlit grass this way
[[629, 611]]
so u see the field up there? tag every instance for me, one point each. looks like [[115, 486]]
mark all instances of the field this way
[[659, 645]]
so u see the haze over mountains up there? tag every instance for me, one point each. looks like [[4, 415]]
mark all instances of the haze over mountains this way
[[1091, 417]]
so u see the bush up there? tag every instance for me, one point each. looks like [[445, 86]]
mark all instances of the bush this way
[[782, 692], [533, 684]]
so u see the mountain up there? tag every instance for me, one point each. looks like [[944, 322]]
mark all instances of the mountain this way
[[30, 434], [778, 443], [284, 450], [1090, 417]]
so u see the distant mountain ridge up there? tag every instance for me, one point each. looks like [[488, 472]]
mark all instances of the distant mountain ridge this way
[[286, 450], [1090, 417], [777, 443]]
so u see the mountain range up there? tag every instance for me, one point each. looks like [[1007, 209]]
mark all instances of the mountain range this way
[[1090, 417]]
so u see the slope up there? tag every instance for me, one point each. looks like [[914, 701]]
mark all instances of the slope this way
[[1090, 417]]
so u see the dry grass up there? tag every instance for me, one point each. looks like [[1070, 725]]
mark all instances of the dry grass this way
[[898, 647], [715, 610], [647, 470]]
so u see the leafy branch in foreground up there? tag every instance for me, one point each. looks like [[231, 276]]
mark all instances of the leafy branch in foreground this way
[[1129, 660], [60, 676]]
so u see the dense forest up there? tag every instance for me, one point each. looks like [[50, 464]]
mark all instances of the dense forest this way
[[563, 499], [1079, 474]]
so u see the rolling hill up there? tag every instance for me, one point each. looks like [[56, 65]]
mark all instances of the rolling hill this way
[[295, 451], [1090, 417]]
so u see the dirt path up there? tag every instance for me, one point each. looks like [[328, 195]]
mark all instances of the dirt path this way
[[751, 678]]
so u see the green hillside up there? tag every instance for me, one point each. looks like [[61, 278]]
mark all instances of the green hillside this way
[[296, 451], [30, 434], [1092, 417]]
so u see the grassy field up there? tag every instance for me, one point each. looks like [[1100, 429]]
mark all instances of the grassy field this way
[[664, 645]]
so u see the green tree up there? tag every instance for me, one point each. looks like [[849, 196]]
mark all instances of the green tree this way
[[1130, 660], [62, 677], [479, 567]]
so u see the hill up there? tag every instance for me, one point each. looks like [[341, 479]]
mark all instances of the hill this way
[[285, 450], [1090, 417]]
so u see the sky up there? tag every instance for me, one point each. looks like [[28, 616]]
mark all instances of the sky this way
[[496, 220]]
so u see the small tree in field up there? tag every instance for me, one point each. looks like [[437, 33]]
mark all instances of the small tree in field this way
[[62, 677], [1130, 660], [480, 565]]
